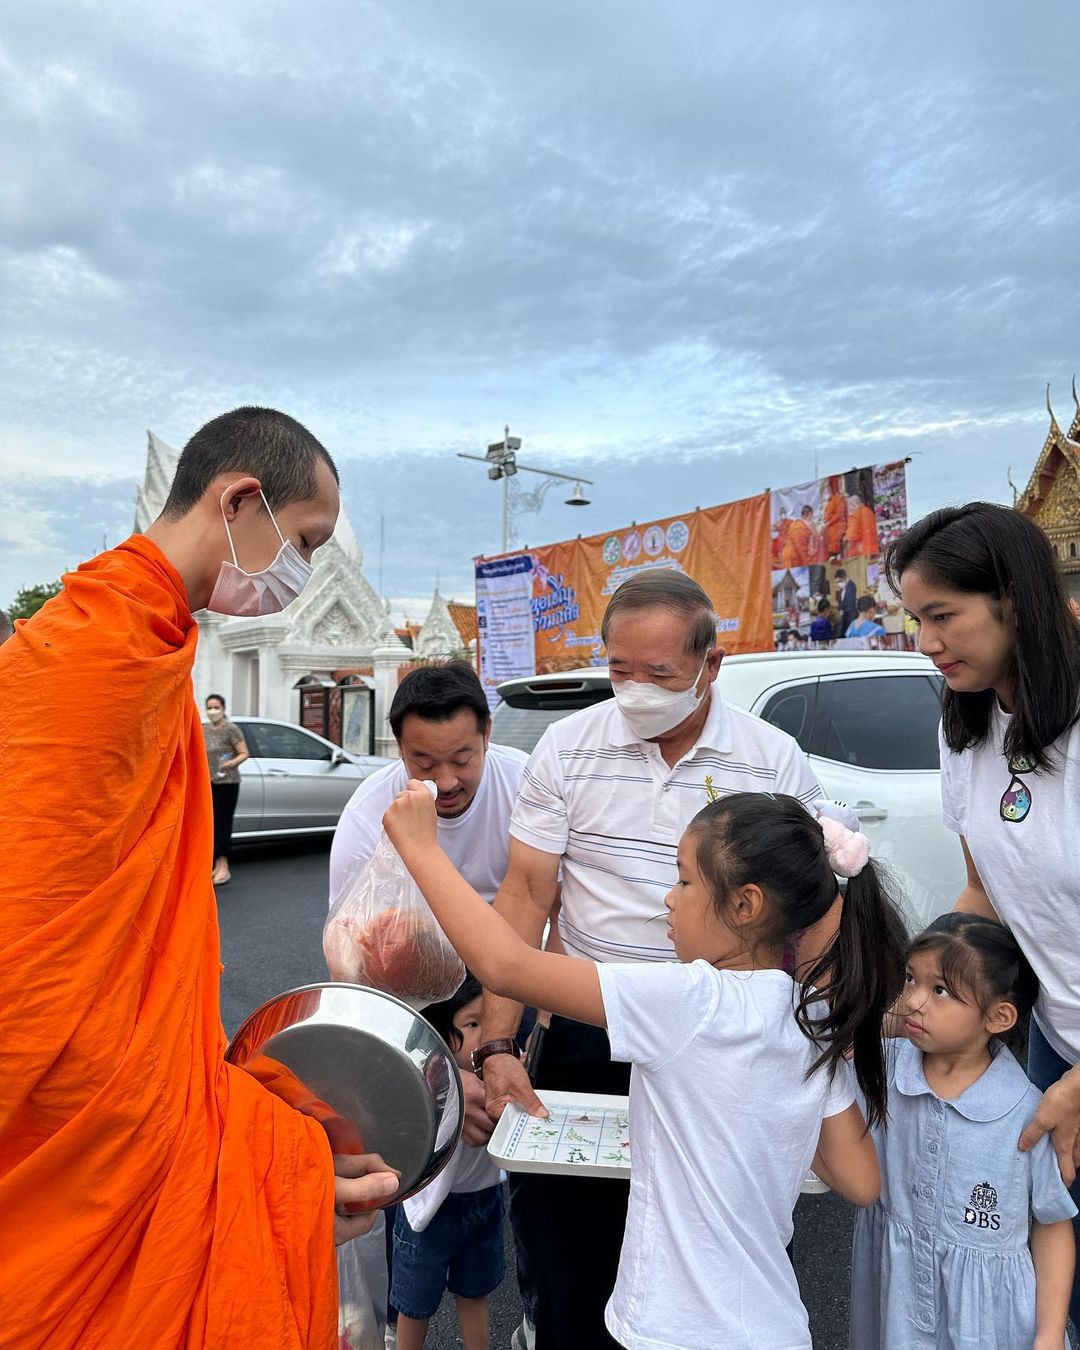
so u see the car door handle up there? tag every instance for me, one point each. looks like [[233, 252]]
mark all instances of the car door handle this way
[[277, 773], [868, 811]]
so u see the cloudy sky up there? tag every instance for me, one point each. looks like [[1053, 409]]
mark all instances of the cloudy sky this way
[[685, 249]]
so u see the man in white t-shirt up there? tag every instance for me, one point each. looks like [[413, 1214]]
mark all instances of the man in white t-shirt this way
[[605, 797], [442, 724]]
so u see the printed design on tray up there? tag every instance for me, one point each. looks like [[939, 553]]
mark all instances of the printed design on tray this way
[[593, 1136]]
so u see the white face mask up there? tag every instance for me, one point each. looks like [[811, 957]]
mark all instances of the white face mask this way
[[652, 711], [266, 592], [215, 714]]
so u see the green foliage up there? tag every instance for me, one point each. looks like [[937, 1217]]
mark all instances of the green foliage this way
[[30, 599]]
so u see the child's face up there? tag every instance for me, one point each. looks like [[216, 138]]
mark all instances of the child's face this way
[[937, 1021], [467, 1025], [693, 924]]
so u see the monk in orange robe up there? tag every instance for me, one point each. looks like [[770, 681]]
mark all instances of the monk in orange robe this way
[[835, 521], [802, 544], [860, 536], [150, 1194]]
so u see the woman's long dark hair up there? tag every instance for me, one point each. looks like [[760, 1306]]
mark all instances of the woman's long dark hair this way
[[755, 838], [984, 549]]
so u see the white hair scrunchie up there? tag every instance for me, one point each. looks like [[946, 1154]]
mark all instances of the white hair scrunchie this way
[[846, 847]]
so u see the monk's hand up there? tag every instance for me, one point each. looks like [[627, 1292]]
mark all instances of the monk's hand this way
[[360, 1179], [411, 822], [478, 1124], [1059, 1116]]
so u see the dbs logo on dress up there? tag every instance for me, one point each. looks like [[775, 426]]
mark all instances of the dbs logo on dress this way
[[981, 1213]]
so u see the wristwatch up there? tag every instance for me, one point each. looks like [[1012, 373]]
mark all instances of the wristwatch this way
[[505, 1045]]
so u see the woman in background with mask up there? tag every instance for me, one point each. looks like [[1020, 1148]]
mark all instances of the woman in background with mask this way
[[225, 752]]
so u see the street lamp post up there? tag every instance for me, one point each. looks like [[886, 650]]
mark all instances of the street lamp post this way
[[501, 459]]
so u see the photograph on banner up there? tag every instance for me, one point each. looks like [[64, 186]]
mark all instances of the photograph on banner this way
[[796, 594], [833, 518], [890, 502]]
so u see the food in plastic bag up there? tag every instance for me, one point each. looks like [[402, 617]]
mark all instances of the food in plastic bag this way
[[381, 933], [361, 1266]]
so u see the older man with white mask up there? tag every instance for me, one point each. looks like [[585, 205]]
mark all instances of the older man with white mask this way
[[605, 798]]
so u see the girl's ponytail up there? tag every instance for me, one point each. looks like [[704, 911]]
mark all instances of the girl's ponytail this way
[[848, 990]]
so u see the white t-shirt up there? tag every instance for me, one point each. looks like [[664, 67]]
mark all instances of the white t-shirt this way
[[608, 803], [469, 1169], [477, 842], [724, 1125], [1031, 867]]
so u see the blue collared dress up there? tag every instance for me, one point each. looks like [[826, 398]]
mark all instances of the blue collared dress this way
[[941, 1261]]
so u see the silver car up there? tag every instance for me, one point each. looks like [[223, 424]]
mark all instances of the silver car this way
[[295, 782]]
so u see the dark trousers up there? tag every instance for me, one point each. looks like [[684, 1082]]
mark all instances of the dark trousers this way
[[224, 795], [1044, 1067], [568, 1232]]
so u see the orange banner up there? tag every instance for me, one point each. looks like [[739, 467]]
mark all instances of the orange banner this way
[[540, 611]]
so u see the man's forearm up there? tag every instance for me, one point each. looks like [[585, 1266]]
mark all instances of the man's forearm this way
[[502, 1016]]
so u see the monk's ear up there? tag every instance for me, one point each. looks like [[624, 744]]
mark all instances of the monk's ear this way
[[228, 493]]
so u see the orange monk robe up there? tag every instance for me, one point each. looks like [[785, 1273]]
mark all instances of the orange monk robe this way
[[802, 545], [779, 540], [861, 536], [150, 1195], [835, 521]]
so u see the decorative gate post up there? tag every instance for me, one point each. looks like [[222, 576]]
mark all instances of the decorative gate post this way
[[387, 660]]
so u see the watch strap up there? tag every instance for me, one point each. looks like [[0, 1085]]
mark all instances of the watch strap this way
[[505, 1045]]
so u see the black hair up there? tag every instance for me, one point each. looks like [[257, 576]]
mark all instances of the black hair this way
[[666, 588], [441, 1015], [775, 843], [823, 605], [864, 604], [980, 960], [997, 552], [438, 692], [269, 445], [207, 699], [839, 573]]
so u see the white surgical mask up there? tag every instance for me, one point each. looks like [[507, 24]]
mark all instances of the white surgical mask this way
[[652, 711], [215, 714], [266, 592]]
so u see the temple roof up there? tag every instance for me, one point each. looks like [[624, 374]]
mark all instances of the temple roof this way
[[1059, 451]]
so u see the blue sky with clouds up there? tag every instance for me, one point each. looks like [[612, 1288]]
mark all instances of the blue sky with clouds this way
[[683, 249]]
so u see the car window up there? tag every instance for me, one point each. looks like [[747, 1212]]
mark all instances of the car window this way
[[274, 742], [792, 710], [883, 722], [523, 727]]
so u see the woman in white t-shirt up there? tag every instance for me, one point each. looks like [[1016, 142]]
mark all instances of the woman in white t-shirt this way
[[983, 583], [738, 1080]]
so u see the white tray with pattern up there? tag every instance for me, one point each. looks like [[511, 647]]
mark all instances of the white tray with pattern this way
[[585, 1135]]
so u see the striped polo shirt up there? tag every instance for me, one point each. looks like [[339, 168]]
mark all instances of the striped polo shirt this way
[[607, 802]]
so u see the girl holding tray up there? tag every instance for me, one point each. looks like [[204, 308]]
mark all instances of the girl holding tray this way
[[739, 1083]]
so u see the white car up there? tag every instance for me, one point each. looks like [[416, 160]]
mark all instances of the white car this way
[[867, 722]]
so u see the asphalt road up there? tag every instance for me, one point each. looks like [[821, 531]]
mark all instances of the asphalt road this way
[[272, 915]]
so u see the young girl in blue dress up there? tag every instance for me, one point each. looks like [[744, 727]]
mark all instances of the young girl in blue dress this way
[[970, 1244], [738, 1080]]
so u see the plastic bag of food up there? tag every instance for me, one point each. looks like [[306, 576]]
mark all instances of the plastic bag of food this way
[[362, 1291], [380, 932]]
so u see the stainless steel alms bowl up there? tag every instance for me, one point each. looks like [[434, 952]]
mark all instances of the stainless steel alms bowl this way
[[373, 1072]]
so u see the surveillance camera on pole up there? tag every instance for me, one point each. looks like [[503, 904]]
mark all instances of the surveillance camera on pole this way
[[501, 459]]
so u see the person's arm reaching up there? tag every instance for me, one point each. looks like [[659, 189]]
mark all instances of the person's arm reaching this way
[[500, 957], [1053, 1252], [526, 900]]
